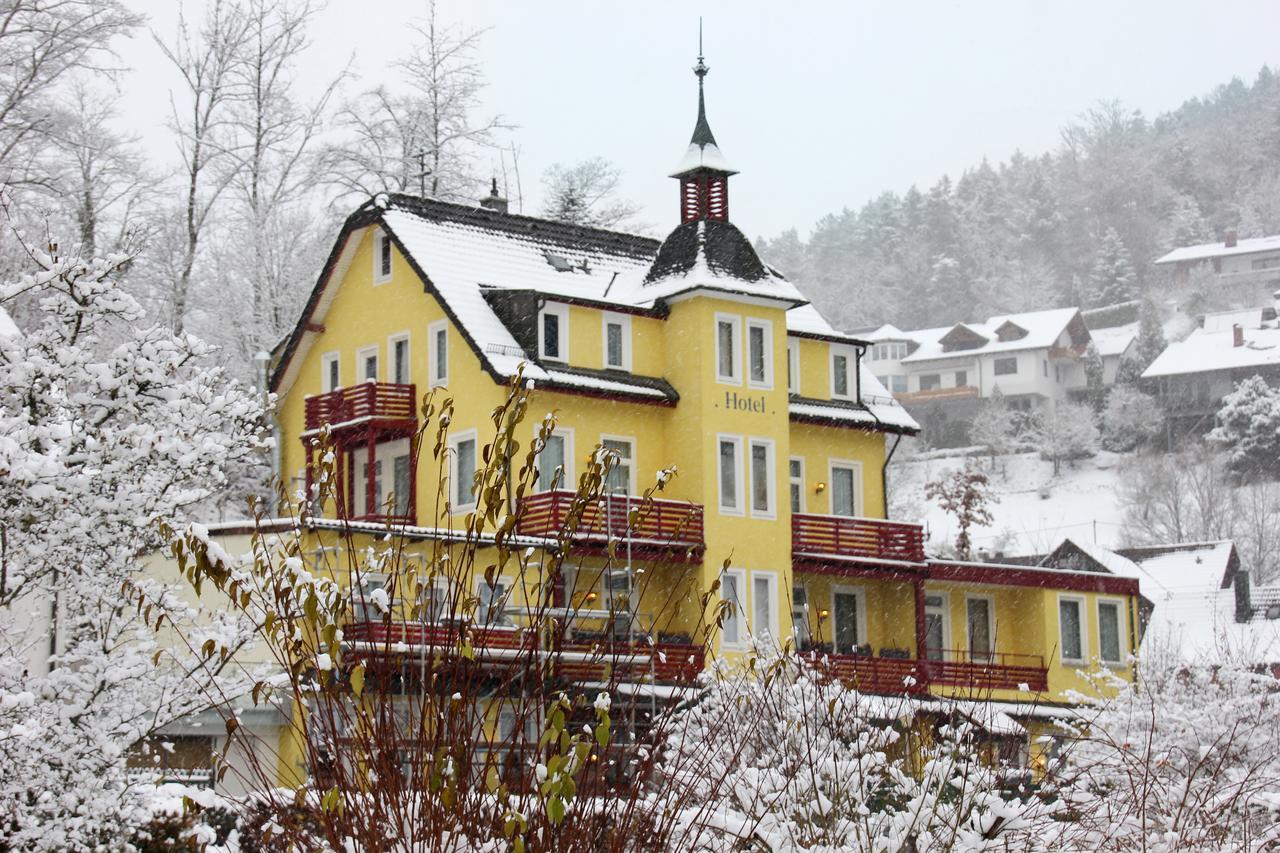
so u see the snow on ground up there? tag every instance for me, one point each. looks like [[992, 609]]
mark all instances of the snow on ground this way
[[1036, 509]]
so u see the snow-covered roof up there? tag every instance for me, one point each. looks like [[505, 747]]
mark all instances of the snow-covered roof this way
[[1205, 251], [1043, 328], [1203, 351], [706, 156], [1114, 340]]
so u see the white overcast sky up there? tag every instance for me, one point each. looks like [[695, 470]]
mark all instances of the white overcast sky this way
[[820, 106]]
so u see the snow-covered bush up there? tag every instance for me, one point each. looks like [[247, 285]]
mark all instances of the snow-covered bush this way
[[1249, 429], [1131, 419], [108, 427]]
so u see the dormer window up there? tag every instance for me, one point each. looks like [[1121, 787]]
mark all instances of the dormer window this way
[[553, 332], [381, 257], [1010, 331], [842, 367]]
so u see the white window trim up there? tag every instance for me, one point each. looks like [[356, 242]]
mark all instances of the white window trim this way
[[1084, 631], [851, 368], [379, 237], [793, 366], [736, 322], [434, 374], [738, 444], [861, 594], [392, 340], [623, 320], [772, 578], [631, 462], [454, 441], [799, 459], [364, 353], [771, 477], [991, 621], [570, 475], [326, 361], [767, 328], [507, 588], [854, 464], [1121, 627], [561, 311], [946, 620], [441, 585], [742, 614]]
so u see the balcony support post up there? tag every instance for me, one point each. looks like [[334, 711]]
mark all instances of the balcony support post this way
[[371, 478], [922, 639]]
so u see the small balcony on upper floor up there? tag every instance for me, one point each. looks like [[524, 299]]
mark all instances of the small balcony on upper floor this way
[[364, 407], [948, 671], [659, 528], [823, 539]]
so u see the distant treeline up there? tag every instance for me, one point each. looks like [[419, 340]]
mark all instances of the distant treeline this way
[[1078, 226]]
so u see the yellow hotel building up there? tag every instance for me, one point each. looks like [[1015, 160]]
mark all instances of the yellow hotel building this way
[[689, 353]]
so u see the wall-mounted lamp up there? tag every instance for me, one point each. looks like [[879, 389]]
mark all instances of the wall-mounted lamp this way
[[819, 487], [591, 597], [823, 614]]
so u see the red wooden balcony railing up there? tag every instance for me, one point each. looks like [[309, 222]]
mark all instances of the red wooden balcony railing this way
[[358, 404], [664, 524], [953, 669], [842, 536]]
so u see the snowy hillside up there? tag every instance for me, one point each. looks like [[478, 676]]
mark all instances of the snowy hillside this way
[[1036, 509]]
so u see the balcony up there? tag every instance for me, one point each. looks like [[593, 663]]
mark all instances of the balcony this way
[[384, 404], [822, 537], [935, 394], [671, 529], [950, 668]]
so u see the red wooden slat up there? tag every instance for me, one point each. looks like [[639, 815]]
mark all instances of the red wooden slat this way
[[856, 537], [886, 675], [383, 400], [665, 522]]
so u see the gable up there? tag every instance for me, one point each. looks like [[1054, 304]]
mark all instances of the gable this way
[[961, 337]]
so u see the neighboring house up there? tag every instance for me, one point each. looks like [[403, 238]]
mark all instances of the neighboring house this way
[[1242, 267], [1192, 376]]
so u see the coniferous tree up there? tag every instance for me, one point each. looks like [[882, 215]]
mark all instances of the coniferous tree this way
[[1151, 341], [1094, 375], [1112, 279]]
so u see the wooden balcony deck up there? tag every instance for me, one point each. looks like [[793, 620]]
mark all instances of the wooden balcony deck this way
[[954, 668], [369, 403], [670, 528], [825, 536]]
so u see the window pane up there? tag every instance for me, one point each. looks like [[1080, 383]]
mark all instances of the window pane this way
[[725, 348], [384, 257], [846, 622], [377, 486], [400, 360], [1069, 617], [762, 603], [795, 497], [370, 368], [492, 601], [755, 341], [550, 461], [728, 475], [613, 340], [1109, 632], [732, 629], [619, 479], [551, 335], [466, 452], [980, 646], [842, 502], [403, 484], [333, 374], [442, 354], [760, 478], [840, 372]]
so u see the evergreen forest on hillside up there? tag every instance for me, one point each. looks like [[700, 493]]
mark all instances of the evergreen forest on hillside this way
[[1077, 226]]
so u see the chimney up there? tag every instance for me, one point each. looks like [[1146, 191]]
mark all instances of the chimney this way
[[493, 201], [1237, 335], [1230, 241]]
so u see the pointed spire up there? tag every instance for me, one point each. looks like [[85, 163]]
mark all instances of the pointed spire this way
[[701, 131], [703, 151]]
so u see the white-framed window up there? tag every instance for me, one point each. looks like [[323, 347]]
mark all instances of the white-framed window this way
[[330, 372], [795, 481], [438, 352], [493, 602], [381, 256], [369, 598], [1005, 366], [435, 600], [553, 332], [398, 353], [621, 478], [980, 627], [462, 470], [764, 604], [616, 342], [367, 364], [1111, 633], [555, 461], [759, 353], [729, 464], [846, 487], [1071, 629], [762, 478], [843, 363], [733, 589], [848, 619], [729, 349], [793, 365], [800, 615], [937, 624]]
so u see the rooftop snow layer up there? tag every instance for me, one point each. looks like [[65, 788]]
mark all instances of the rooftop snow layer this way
[[1043, 330], [1203, 351], [1114, 340], [1204, 251]]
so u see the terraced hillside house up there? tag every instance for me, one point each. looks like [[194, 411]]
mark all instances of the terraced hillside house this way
[[690, 353]]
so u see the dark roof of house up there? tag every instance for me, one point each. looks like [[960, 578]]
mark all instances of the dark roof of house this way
[[720, 245]]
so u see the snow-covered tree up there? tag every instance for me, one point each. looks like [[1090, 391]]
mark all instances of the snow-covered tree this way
[[1248, 429], [109, 427], [586, 194], [993, 426], [1066, 433], [1151, 340], [1112, 279], [1094, 375], [1131, 419], [966, 494]]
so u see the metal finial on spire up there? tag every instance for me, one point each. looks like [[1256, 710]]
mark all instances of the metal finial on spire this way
[[701, 68]]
